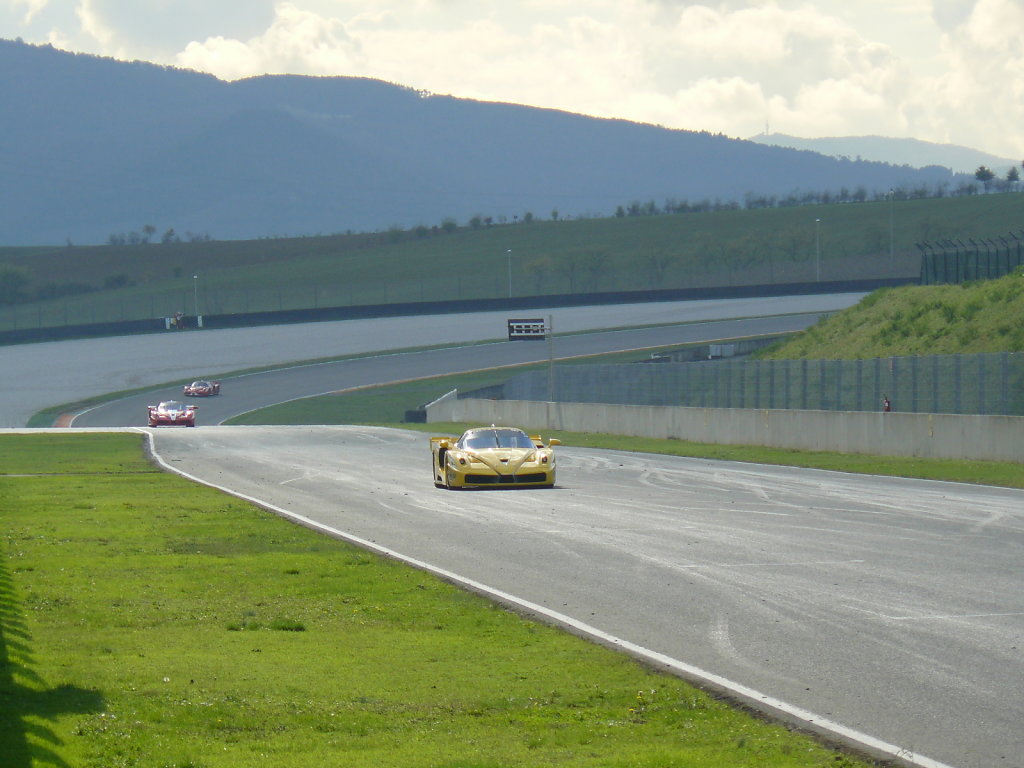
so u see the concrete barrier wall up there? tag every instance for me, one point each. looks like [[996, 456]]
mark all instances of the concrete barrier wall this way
[[939, 436]]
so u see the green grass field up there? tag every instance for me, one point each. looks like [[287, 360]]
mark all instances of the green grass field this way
[[693, 250], [151, 622]]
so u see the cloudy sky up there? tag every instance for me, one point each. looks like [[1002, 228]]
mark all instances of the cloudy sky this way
[[948, 71]]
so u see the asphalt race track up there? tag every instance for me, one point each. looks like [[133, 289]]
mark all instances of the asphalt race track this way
[[249, 392], [38, 376], [891, 607]]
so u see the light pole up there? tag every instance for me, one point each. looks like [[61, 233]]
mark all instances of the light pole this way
[[817, 250], [195, 299], [892, 228], [509, 254]]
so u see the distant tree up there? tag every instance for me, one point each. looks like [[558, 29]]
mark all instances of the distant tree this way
[[13, 282], [147, 233], [449, 225], [528, 217], [476, 222], [657, 265], [595, 268], [1013, 175], [537, 271], [170, 236], [984, 175], [620, 212], [875, 238], [554, 215], [569, 266], [118, 281], [56, 291]]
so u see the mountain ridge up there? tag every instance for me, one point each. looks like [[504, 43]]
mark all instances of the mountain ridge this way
[[896, 151], [93, 146]]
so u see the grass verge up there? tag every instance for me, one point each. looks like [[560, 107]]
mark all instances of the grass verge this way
[[148, 621]]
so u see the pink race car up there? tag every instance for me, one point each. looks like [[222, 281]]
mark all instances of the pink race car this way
[[172, 413], [201, 388]]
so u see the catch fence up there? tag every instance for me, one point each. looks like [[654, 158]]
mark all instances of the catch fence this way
[[990, 384], [953, 261]]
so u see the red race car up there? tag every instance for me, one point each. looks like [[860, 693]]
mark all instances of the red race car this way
[[201, 388], [172, 413]]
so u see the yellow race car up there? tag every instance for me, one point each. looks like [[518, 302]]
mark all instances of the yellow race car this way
[[490, 457]]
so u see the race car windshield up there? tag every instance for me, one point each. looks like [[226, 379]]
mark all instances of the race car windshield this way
[[496, 438]]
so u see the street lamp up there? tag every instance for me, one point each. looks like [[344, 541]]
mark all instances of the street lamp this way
[[195, 301], [817, 250], [510, 273], [892, 229]]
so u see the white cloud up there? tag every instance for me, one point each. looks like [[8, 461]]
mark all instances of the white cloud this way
[[28, 9], [934, 69], [92, 24], [950, 14], [982, 90], [731, 69], [227, 59], [297, 42]]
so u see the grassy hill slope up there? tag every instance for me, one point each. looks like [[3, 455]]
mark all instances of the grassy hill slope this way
[[986, 316], [733, 247]]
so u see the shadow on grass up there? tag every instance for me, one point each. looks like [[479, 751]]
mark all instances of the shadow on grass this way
[[26, 704]]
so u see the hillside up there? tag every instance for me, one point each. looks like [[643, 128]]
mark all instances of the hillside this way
[[94, 147], [977, 317], [86, 284]]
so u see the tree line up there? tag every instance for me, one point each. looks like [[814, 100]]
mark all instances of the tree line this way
[[145, 237]]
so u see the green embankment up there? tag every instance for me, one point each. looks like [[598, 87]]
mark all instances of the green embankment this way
[[986, 316], [149, 621], [851, 241]]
